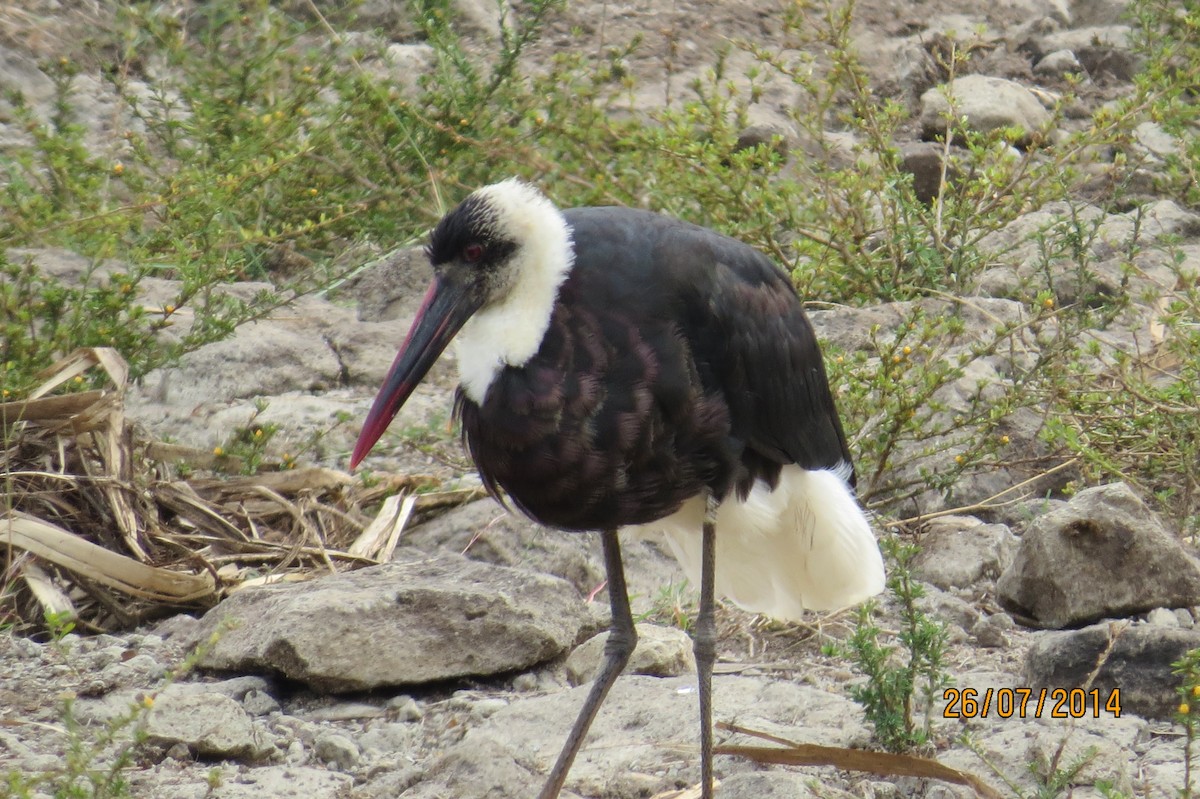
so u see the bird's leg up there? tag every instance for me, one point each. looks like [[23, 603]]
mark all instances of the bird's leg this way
[[621, 640], [704, 641]]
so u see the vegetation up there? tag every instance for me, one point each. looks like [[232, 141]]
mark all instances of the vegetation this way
[[261, 144], [904, 678]]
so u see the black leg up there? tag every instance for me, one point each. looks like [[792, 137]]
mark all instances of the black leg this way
[[704, 642], [621, 640]]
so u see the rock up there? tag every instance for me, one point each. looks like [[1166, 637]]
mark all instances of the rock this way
[[948, 608], [390, 288], [660, 652], [1079, 39], [486, 532], [992, 631], [211, 725], [1113, 64], [400, 623], [1058, 64], [923, 160], [1152, 141], [1162, 617], [774, 137], [987, 104], [960, 551], [1139, 665], [1104, 554], [336, 750]]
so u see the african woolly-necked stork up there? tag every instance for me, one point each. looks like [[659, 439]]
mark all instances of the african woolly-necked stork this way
[[619, 368]]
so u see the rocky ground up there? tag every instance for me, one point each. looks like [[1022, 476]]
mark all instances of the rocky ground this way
[[455, 670]]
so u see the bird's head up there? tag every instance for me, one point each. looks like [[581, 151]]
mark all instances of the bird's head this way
[[504, 241]]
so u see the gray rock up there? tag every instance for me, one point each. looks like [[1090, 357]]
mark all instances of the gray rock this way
[[211, 725], [484, 531], [400, 623], [1058, 64], [991, 632], [1104, 554], [960, 551], [390, 288], [1078, 39], [948, 608], [1139, 665], [1163, 617], [987, 104], [338, 750], [660, 652], [259, 703], [1151, 141]]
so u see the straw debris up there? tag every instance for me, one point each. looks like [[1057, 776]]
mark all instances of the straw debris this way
[[97, 524]]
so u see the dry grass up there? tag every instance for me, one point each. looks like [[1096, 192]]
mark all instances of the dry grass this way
[[97, 523]]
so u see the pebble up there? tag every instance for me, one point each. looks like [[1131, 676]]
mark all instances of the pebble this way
[[405, 708], [336, 750]]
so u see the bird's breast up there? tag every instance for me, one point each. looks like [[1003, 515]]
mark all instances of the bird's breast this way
[[606, 425]]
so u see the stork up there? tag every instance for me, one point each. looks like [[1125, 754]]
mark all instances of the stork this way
[[620, 368]]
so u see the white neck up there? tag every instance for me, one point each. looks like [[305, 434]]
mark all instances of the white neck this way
[[509, 332]]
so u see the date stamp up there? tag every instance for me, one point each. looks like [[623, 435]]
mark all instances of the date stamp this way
[[1023, 703]]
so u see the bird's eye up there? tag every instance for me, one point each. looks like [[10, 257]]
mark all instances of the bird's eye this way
[[472, 252]]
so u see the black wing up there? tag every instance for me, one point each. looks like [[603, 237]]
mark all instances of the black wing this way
[[743, 323], [752, 340]]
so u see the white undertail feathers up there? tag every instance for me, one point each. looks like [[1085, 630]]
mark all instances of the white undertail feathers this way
[[807, 545]]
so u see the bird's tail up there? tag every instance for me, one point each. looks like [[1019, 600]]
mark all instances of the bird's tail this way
[[806, 545]]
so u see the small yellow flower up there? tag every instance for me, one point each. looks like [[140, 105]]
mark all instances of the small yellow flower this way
[[960, 460], [78, 378], [1196, 691], [1184, 708], [4, 392], [907, 350], [897, 358], [168, 310], [463, 122], [1004, 439], [118, 168], [147, 701], [258, 433], [1048, 303], [218, 451], [312, 192]]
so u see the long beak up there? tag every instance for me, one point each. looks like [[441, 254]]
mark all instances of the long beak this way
[[443, 312]]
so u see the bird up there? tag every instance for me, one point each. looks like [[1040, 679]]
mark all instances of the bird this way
[[623, 369]]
